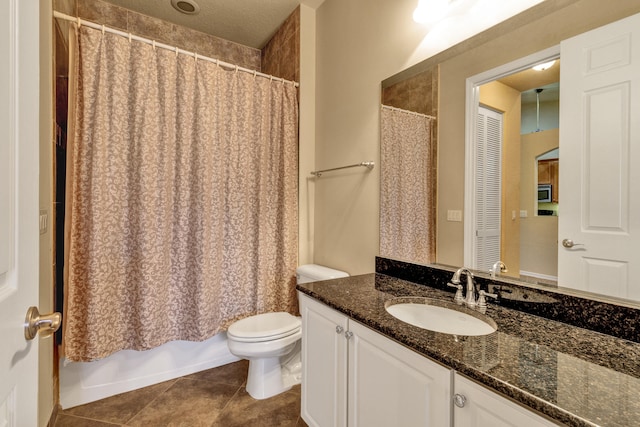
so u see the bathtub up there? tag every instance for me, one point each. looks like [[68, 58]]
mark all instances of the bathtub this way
[[84, 382]]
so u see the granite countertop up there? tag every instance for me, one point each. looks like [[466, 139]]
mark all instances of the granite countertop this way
[[574, 376]]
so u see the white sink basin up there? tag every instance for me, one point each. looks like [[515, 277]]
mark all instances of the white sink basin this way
[[440, 316]]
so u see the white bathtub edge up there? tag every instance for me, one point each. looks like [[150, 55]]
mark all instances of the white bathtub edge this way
[[128, 370]]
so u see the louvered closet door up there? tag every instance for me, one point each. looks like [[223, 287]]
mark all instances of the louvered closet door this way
[[488, 189]]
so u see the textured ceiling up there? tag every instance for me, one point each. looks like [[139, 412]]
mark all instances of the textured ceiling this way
[[248, 22]]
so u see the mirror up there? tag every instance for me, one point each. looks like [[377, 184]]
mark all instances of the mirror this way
[[452, 69]]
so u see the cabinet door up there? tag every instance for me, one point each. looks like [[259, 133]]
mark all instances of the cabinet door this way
[[544, 172], [390, 385], [484, 408], [324, 365]]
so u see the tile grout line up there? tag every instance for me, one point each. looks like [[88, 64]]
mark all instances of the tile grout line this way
[[175, 381], [91, 419], [224, 408]]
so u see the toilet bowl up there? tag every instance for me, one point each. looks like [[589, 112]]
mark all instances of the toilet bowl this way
[[271, 342]]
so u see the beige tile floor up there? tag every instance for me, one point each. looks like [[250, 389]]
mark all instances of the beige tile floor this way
[[212, 398]]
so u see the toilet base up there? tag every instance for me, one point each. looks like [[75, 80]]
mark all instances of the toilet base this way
[[270, 376]]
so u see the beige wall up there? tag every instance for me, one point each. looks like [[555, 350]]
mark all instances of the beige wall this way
[[360, 43], [47, 394], [307, 141], [506, 100]]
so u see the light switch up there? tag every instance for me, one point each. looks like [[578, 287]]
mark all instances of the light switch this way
[[44, 221], [523, 214], [454, 215]]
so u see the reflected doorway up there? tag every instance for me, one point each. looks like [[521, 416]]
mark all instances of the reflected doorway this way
[[529, 103]]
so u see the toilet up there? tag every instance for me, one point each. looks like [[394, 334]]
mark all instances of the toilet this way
[[271, 342]]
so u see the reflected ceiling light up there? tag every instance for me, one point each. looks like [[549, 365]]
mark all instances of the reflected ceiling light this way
[[544, 66], [430, 11], [190, 7]]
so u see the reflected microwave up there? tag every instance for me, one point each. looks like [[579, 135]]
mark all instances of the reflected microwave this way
[[544, 193]]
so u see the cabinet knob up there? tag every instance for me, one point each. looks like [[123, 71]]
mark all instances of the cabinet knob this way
[[339, 329], [459, 400], [348, 334]]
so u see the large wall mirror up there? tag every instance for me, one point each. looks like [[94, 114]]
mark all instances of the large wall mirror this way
[[512, 148], [488, 81]]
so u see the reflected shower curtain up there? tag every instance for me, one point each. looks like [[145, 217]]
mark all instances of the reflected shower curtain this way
[[182, 198], [407, 186]]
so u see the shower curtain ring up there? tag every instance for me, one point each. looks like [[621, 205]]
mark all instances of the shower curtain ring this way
[[79, 23], [103, 29], [153, 44]]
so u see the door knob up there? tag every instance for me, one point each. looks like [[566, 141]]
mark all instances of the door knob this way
[[35, 323], [568, 243]]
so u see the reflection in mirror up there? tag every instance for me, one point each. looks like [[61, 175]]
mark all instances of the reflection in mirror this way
[[548, 183], [506, 223], [408, 158], [407, 190], [599, 185]]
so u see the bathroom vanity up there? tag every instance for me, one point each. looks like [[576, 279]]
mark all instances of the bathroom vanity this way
[[363, 367]]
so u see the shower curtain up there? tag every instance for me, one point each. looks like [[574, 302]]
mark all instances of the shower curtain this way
[[181, 197], [407, 186]]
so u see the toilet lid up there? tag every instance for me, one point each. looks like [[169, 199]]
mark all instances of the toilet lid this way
[[265, 326]]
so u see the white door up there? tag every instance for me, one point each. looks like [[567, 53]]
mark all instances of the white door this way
[[19, 77], [488, 185], [390, 385], [599, 224]]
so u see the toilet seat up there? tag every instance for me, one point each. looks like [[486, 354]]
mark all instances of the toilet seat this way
[[264, 327]]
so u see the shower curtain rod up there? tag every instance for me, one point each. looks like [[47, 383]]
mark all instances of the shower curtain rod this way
[[130, 36], [413, 113]]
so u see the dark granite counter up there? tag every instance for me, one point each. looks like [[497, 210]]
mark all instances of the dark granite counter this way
[[575, 376]]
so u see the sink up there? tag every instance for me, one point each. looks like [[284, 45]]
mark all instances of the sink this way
[[440, 316]]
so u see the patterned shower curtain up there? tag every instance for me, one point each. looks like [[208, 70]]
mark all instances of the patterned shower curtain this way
[[181, 197], [407, 186]]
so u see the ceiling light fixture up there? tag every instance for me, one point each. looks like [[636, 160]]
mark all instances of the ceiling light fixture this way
[[430, 11], [189, 7], [544, 66]]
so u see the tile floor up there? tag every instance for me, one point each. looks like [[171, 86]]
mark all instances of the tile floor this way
[[212, 398]]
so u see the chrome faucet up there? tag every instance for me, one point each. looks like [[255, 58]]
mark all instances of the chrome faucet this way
[[499, 266], [470, 299]]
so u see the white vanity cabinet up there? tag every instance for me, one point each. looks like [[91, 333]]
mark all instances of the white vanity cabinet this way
[[477, 406], [353, 376]]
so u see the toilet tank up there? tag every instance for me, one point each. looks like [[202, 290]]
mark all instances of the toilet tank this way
[[314, 272]]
